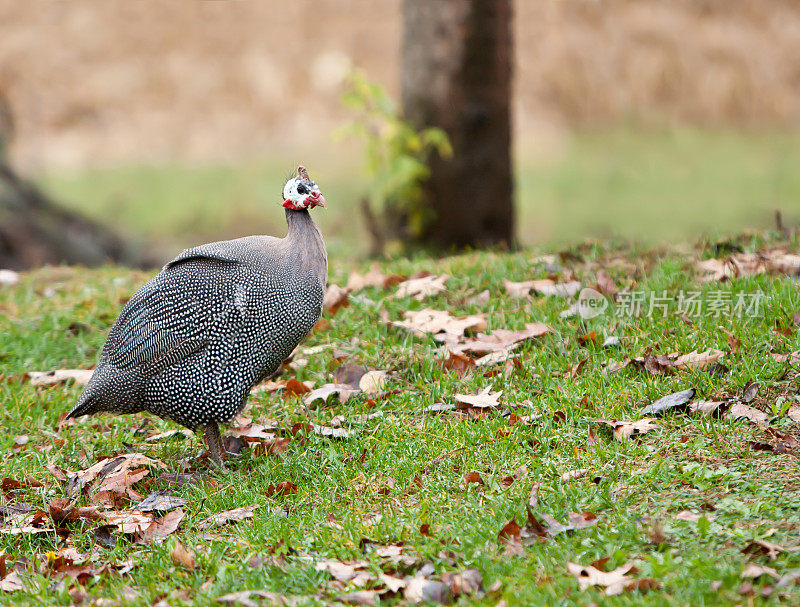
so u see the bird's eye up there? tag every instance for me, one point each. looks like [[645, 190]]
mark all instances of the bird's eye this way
[[302, 189]]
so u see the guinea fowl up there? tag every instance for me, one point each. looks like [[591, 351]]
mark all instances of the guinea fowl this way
[[217, 319]]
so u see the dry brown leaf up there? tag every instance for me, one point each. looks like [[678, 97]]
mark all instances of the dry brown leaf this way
[[282, 488], [499, 341], [373, 382], [420, 288], [543, 286], [344, 572], [753, 571], [469, 581], [605, 284], [693, 517], [511, 531], [765, 548], [182, 557], [79, 377], [183, 432], [794, 413], [162, 527], [473, 478], [573, 474], [335, 297], [373, 278], [160, 500], [342, 391], [129, 521], [740, 410], [483, 400], [625, 429], [243, 598], [614, 581], [442, 323], [118, 464], [423, 590], [333, 432], [698, 360], [12, 582], [228, 516], [359, 597], [457, 363]]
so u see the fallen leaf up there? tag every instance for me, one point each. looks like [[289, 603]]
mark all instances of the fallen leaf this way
[[484, 399], [765, 548], [698, 360], [335, 297], [753, 571], [468, 582], [458, 363], [669, 402], [713, 408], [573, 474], [543, 286], [349, 374], [614, 581], [333, 432], [79, 377], [182, 557], [342, 391], [160, 528], [183, 433], [129, 522], [625, 429], [606, 285], [420, 288], [473, 478], [243, 598], [12, 582], [749, 391], [160, 500], [693, 517], [740, 410], [441, 323], [373, 278], [510, 532], [373, 382], [359, 597], [8, 278], [282, 488], [421, 590], [228, 516]]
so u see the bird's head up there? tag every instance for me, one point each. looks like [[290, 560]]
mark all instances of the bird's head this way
[[301, 193]]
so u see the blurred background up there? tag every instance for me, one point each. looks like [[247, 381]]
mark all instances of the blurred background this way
[[177, 123]]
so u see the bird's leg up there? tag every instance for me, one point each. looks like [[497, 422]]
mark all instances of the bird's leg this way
[[211, 433]]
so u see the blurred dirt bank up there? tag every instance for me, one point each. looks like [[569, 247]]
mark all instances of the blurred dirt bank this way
[[96, 83]]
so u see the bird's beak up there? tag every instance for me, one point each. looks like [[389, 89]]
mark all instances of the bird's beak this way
[[317, 199]]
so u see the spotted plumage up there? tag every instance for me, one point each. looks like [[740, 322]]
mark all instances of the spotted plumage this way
[[219, 318]]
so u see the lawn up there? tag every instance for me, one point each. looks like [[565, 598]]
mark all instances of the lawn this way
[[704, 507], [655, 186]]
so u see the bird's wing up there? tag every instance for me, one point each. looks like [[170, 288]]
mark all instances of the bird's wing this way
[[220, 251], [174, 315]]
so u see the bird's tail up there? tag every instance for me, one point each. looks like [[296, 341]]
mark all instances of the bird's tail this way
[[88, 403]]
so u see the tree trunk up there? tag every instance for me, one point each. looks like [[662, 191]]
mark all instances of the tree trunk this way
[[456, 75], [35, 231]]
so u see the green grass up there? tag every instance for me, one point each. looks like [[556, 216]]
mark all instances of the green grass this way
[[654, 186], [689, 463]]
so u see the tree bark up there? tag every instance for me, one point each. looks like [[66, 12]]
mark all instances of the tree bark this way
[[34, 230], [456, 75]]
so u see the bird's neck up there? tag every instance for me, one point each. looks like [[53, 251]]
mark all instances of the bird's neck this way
[[304, 239]]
